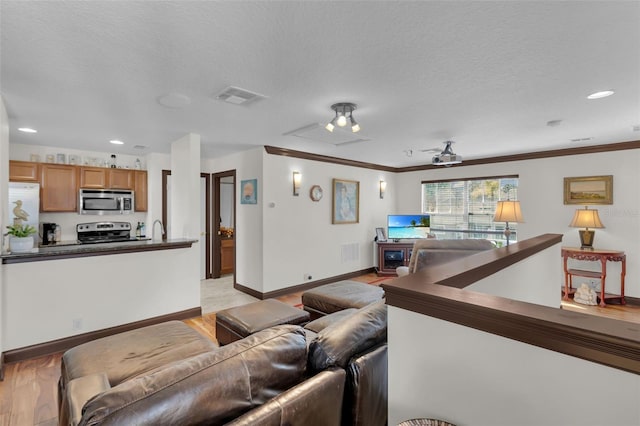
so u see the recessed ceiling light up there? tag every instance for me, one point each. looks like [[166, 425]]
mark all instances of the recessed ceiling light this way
[[27, 130], [116, 142], [603, 94], [174, 100]]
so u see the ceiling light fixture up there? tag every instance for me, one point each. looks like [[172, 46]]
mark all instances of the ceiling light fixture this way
[[341, 118], [447, 157], [599, 95], [116, 142], [27, 130]]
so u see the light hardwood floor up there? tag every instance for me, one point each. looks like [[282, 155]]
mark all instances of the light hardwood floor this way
[[28, 392]]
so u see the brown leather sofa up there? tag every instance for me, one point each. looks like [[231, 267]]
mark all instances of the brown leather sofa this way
[[332, 373]]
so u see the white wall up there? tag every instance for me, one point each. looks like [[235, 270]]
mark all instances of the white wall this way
[[249, 225], [4, 208], [185, 187], [299, 237], [442, 370], [530, 281], [541, 195]]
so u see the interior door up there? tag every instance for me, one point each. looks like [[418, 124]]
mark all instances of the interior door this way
[[205, 226], [224, 218]]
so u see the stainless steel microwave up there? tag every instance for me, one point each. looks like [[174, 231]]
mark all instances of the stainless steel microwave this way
[[105, 201]]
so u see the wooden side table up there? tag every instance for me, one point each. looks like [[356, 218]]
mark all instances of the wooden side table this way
[[595, 255]]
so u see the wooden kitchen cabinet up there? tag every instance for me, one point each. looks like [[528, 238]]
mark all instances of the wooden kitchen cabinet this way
[[226, 255], [59, 183], [102, 178], [140, 190], [120, 178], [23, 171], [93, 177]]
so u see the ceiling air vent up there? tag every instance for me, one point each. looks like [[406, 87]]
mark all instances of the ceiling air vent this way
[[317, 133], [139, 147], [238, 96]]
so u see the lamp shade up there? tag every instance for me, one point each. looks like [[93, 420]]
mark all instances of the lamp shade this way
[[585, 218], [508, 211]]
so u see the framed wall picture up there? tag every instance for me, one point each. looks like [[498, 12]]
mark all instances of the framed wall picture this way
[[346, 199], [380, 235], [588, 190], [249, 191]]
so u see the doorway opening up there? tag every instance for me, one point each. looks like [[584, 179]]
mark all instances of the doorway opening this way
[[224, 223]]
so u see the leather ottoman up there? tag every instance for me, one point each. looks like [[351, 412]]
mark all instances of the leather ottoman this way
[[236, 323], [340, 295], [120, 357]]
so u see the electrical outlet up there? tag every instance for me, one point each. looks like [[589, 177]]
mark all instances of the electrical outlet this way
[[76, 324]]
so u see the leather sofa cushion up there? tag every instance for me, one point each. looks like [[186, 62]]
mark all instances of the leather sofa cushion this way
[[337, 343], [341, 295], [431, 252], [128, 354], [323, 322], [210, 388], [315, 402]]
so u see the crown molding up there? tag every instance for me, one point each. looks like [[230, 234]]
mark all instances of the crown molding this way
[[593, 149]]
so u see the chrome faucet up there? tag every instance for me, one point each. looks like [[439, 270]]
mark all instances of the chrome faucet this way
[[153, 229]]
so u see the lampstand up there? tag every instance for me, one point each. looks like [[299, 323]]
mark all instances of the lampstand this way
[[585, 218], [508, 211]]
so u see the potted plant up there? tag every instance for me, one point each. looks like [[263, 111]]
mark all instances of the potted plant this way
[[20, 239]]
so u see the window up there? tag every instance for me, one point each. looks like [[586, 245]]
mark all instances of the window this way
[[465, 208]]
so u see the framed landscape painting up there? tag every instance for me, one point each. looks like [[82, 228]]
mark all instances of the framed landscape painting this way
[[588, 190]]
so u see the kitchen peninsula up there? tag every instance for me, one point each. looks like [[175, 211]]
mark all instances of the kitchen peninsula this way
[[64, 295], [66, 251]]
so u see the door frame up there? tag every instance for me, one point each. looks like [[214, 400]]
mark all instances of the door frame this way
[[216, 240], [207, 212]]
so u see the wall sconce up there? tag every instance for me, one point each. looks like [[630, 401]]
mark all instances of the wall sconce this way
[[297, 180], [383, 188]]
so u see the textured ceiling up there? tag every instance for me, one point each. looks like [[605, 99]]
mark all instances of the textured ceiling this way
[[488, 75]]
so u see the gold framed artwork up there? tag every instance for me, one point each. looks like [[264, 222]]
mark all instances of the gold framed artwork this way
[[588, 190], [346, 201]]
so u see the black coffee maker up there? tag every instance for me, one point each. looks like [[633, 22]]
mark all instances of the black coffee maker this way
[[48, 233]]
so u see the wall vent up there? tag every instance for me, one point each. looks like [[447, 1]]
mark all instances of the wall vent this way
[[238, 96], [317, 133], [350, 252]]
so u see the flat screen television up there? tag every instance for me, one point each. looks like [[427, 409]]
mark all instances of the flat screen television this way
[[401, 226]]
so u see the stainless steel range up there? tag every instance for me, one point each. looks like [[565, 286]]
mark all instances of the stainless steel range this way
[[103, 232]]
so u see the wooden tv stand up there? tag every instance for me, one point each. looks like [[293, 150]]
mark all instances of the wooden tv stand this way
[[391, 255]]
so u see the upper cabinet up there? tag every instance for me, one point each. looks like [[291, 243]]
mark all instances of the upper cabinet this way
[[93, 177], [23, 171], [120, 179], [140, 190], [101, 178], [59, 184]]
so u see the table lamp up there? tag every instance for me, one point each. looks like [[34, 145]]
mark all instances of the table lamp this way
[[508, 211], [586, 219]]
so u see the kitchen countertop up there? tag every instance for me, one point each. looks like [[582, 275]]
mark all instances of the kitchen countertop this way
[[68, 250]]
